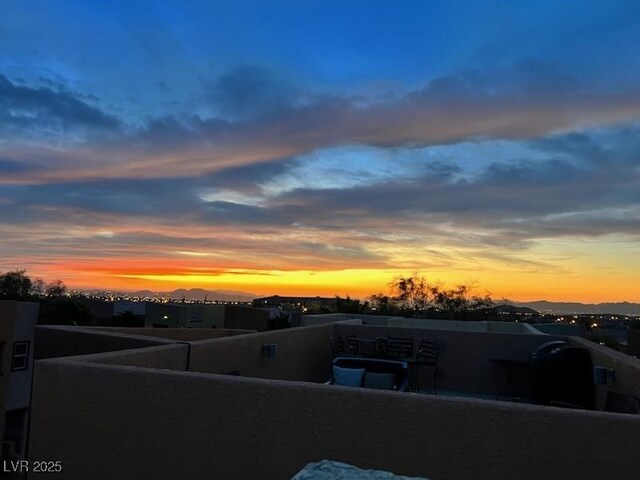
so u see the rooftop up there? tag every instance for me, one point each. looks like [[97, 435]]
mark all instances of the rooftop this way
[[220, 408]]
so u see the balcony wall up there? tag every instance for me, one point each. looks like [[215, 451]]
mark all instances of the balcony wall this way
[[167, 357], [177, 334], [107, 421], [627, 369], [61, 341], [303, 354], [456, 325]]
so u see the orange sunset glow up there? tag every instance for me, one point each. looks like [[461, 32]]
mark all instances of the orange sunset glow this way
[[557, 279]]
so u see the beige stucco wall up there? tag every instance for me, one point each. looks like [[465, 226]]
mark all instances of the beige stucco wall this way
[[303, 354], [179, 334], [106, 422], [627, 369], [61, 341], [170, 357]]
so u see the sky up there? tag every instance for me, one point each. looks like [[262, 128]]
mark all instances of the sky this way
[[315, 147]]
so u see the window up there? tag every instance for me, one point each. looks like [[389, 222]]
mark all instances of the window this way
[[20, 359]]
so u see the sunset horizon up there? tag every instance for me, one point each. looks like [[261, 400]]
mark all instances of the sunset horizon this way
[[341, 283]]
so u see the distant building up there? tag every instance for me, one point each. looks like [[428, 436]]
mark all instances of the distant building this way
[[179, 315], [101, 310], [198, 315], [297, 304]]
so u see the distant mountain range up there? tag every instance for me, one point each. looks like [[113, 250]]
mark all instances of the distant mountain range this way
[[619, 308], [200, 294], [541, 306]]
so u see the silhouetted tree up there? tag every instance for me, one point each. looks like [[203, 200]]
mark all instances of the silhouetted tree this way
[[411, 292], [55, 308], [349, 305], [413, 295], [458, 301], [16, 285], [382, 304], [55, 289]]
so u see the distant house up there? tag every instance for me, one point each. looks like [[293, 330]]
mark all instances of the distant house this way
[[297, 304], [179, 315], [197, 315]]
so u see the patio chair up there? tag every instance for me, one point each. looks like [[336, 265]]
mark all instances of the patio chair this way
[[338, 345], [427, 356], [399, 348], [364, 347]]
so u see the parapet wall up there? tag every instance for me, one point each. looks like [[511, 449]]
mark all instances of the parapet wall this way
[[302, 354], [626, 367], [104, 422], [61, 341], [177, 334], [168, 357]]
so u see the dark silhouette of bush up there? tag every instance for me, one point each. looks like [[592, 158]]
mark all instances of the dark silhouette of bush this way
[[350, 305], [16, 285], [413, 296]]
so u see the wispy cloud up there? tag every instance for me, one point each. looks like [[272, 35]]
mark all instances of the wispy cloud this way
[[446, 110], [30, 113]]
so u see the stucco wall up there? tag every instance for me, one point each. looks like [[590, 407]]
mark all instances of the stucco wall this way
[[458, 325], [303, 354], [180, 334], [464, 363], [61, 341], [170, 357], [627, 369], [319, 319], [559, 328], [106, 422]]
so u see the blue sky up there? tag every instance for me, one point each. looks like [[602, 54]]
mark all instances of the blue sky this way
[[450, 138], [162, 56]]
